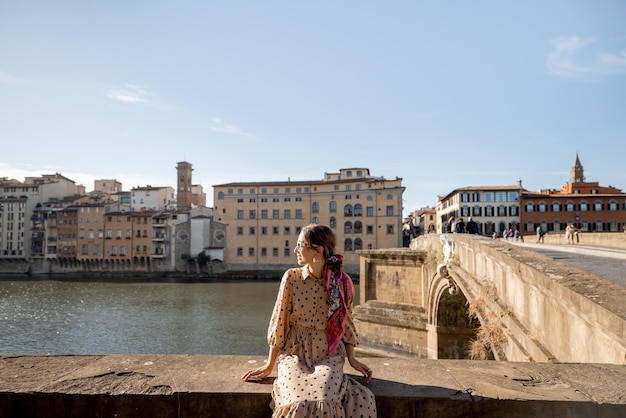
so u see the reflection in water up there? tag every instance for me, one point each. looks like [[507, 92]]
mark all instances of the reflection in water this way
[[58, 317]]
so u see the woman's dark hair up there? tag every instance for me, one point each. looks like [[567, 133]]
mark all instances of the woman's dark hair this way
[[320, 235]]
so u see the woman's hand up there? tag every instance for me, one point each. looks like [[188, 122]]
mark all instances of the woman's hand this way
[[361, 367], [257, 374]]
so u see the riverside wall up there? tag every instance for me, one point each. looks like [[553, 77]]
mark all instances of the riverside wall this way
[[159, 386]]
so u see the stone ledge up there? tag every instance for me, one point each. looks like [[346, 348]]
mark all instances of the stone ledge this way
[[152, 385]]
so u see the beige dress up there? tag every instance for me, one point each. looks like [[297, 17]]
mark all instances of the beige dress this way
[[310, 383]]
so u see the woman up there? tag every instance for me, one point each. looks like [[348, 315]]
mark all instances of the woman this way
[[310, 320]]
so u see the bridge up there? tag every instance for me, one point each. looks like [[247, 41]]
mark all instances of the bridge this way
[[463, 296]]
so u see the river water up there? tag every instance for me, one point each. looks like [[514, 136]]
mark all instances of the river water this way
[[113, 317]]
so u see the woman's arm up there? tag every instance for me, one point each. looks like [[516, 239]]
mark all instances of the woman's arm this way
[[265, 370], [357, 365]]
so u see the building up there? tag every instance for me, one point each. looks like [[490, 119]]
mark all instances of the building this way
[[118, 237], [184, 189], [587, 205], [152, 198], [90, 227], [493, 208], [264, 219], [107, 186]]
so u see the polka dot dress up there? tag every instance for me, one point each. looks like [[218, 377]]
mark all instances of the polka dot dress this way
[[310, 383]]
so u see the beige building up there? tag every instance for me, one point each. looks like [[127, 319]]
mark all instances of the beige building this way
[[152, 198], [90, 227], [264, 218], [494, 208]]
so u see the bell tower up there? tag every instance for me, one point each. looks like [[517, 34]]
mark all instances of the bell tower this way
[[183, 189], [578, 175]]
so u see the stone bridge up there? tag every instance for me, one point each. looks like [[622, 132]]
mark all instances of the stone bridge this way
[[460, 296]]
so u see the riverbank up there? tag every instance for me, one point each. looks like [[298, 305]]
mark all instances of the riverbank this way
[[156, 277]]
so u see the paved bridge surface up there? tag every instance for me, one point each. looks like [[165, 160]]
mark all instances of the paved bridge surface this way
[[606, 262]]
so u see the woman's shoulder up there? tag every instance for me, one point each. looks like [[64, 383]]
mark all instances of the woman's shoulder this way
[[292, 273]]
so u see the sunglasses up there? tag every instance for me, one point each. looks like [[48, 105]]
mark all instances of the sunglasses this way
[[300, 245]]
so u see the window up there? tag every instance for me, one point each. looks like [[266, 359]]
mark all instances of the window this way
[[500, 196], [502, 210], [274, 230], [389, 210], [252, 231], [598, 206], [239, 252], [513, 211], [584, 206], [287, 213], [512, 196], [347, 210], [476, 211], [287, 231], [390, 229], [332, 206], [530, 207], [251, 252], [369, 229], [489, 197], [465, 197], [358, 244], [263, 230], [358, 210], [315, 207], [369, 211], [389, 196], [275, 213], [220, 196], [333, 222], [315, 220], [240, 230], [465, 211], [252, 214], [570, 206], [298, 213], [347, 228], [613, 205], [543, 207], [358, 227], [347, 245], [556, 207], [264, 214], [275, 252], [240, 214], [264, 252]]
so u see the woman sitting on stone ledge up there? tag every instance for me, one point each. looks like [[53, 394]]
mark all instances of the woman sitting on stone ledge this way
[[310, 334]]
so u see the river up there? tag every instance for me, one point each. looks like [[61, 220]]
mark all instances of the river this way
[[114, 317]]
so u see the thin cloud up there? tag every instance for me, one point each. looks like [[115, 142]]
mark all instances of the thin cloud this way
[[6, 78], [130, 94], [217, 125], [570, 57]]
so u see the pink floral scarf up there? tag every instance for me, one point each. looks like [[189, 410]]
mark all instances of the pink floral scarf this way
[[341, 293]]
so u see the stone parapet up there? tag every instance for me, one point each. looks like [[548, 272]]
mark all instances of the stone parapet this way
[[155, 386]]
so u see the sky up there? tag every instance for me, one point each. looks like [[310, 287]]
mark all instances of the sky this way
[[443, 94]]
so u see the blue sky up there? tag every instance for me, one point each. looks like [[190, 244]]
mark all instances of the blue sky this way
[[443, 94]]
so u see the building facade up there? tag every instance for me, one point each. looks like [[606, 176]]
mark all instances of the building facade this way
[[264, 219], [586, 205], [152, 198], [493, 208]]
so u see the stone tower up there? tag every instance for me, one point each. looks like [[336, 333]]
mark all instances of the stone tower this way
[[577, 172], [183, 190]]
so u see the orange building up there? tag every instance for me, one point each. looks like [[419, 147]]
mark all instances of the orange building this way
[[587, 205]]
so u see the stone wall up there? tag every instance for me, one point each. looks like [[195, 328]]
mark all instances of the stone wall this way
[[183, 386], [547, 311]]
